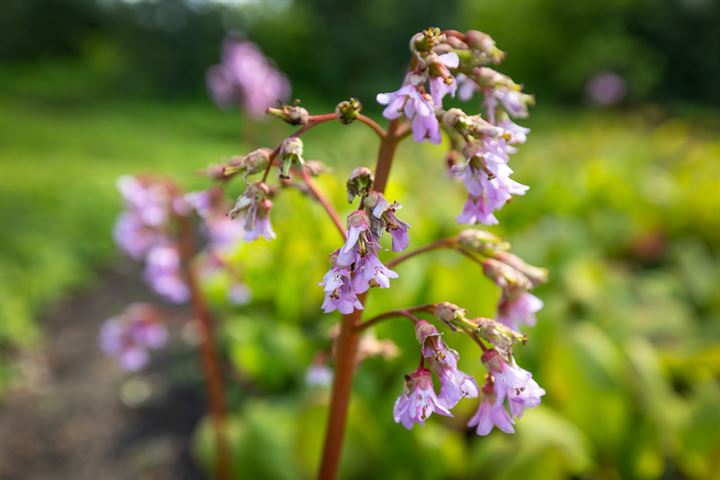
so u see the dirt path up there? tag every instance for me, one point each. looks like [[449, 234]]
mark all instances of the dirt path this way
[[79, 417]]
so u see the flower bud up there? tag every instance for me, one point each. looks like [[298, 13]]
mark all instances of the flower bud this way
[[292, 114], [504, 275], [536, 275], [291, 151], [426, 40], [482, 242], [348, 110], [501, 336], [359, 182], [485, 46], [449, 313]]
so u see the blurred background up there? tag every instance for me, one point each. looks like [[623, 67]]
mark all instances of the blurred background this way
[[624, 169]]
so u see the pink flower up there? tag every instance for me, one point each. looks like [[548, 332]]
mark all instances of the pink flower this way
[[339, 293], [385, 212], [454, 384], [254, 205], [518, 307], [246, 76], [130, 335], [441, 82], [487, 179], [492, 413], [417, 106], [163, 273], [512, 382], [418, 400]]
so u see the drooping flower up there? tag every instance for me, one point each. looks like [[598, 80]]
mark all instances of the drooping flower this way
[[339, 293], [360, 252], [511, 381], [527, 397], [254, 205], [441, 81], [246, 76], [491, 413], [418, 400], [129, 336], [164, 274], [412, 101], [454, 383], [384, 218], [518, 307], [487, 179]]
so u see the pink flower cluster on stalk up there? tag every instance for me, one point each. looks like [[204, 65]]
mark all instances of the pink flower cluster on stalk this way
[[438, 67], [245, 76], [356, 267], [443, 64]]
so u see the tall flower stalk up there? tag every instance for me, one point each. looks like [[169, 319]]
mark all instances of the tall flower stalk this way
[[157, 227]]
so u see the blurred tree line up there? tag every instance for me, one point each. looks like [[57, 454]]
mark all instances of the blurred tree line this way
[[664, 49]]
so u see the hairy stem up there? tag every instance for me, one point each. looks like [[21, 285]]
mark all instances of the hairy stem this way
[[346, 345], [208, 352]]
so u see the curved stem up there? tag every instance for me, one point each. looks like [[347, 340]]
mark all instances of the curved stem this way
[[444, 243], [312, 186], [313, 120], [208, 351], [405, 312], [372, 124]]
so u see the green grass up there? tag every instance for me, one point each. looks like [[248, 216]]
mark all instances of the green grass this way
[[622, 209]]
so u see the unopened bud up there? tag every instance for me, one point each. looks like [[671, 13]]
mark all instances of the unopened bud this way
[[359, 182], [485, 46], [501, 336], [292, 114], [291, 153], [482, 242], [504, 275], [536, 275], [348, 110], [449, 313], [426, 40]]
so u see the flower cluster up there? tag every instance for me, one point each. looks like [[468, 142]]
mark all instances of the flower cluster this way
[[506, 383], [146, 232], [356, 267], [446, 63], [129, 336], [246, 76]]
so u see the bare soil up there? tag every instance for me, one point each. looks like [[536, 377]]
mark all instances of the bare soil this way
[[75, 415]]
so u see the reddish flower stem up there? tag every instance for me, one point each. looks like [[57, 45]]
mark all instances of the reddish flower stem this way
[[208, 352], [444, 243], [405, 312], [346, 344], [314, 120], [332, 213]]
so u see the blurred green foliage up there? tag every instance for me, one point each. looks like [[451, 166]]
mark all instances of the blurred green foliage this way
[[665, 50]]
